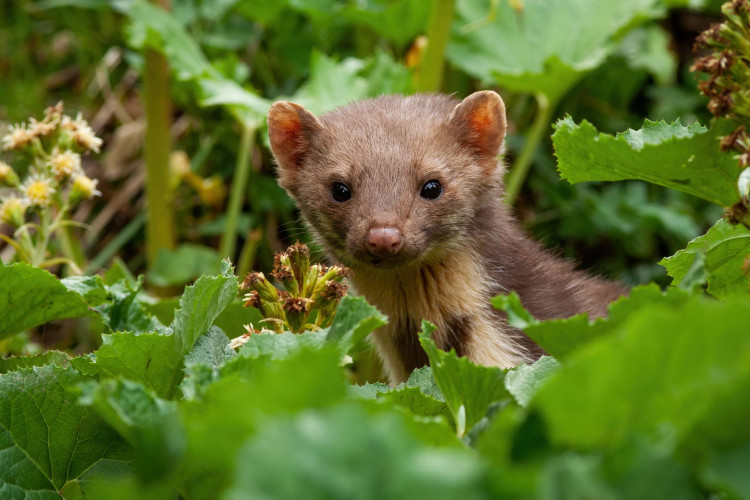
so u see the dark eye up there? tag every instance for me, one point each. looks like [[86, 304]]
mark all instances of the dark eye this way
[[431, 190], [340, 192]]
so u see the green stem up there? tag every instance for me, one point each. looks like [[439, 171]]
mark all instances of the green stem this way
[[160, 222], [431, 71], [523, 163], [237, 196]]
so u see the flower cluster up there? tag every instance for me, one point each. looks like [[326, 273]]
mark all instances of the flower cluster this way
[[53, 180], [308, 295], [727, 66]]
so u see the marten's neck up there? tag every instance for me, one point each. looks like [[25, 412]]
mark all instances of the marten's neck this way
[[453, 293]]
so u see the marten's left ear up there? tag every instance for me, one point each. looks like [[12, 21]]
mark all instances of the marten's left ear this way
[[290, 130], [480, 122]]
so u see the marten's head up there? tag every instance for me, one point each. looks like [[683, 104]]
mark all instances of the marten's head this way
[[393, 180]]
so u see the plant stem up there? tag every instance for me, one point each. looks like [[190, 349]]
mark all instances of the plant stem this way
[[523, 162], [160, 223], [237, 196], [431, 71]]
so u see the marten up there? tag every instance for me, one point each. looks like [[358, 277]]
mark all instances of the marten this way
[[408, 193]]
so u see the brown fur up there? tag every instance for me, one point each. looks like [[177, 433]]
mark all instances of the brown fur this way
[[459, 250]]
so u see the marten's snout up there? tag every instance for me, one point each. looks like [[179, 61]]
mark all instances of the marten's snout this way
[[384, 242]]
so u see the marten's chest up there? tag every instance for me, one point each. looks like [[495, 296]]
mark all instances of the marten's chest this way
[[454, 295]]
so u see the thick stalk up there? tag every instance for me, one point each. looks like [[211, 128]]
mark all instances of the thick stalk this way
[[160, 222], [431, 71], [523, 163], [237, 196]]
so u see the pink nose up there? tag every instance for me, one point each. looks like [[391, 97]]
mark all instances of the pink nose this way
[[384, 241]]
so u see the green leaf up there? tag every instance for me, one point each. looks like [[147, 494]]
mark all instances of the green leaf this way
[[236, 406], [147, 422], [333, 84], [726, 248], [524, 381], [528, 50], [562, 337], [49, 441], [184, 264], [156, 359], [354, 320], [665, 371], [399, 21], [469, 389], [518, 316], [683, 158], [282, 345], [90, 288], [30, 296], [202, 364], [345, 452], [727, 471], [15, 363], [124, 310]]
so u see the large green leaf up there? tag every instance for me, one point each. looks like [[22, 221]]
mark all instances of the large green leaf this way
[[546, 47], [726, 248], [666, 370], [30, 296], [48, 441], [562, 337], [344, 452], [672, 155], [14, 363], [156, 359], [469, 389], [524, 381]]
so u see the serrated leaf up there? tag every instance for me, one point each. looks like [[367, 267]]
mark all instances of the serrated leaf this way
[[352, 451], [414, 400], [48, 440], [524, 51], [683, 158], [90, 288], [518, 316], [726, 248], [524, 381], [666, 368], [282, 345], [14, 363], [468, 388], [124, 310], [354, 320], [202, 364], [30, 296], [562, 337], [156, 359]]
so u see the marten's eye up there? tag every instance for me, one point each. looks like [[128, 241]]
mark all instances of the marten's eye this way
[[431, 189], [340, 192]]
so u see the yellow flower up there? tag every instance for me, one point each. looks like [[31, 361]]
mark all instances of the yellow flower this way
[[84, 188], [8, 176], [18, 137], [12, 211], [38, 191], [64, 164]]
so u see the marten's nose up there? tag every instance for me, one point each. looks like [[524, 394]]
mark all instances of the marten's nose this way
[[384, 241]]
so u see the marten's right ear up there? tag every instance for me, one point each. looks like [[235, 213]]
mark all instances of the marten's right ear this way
[[290, 129], [480, 121]]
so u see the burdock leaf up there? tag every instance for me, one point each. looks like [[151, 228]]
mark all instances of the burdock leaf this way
[[683, 158], [530, 50], [49, 441], [726, 248]]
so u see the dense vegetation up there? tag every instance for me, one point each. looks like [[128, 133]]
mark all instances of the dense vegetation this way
[[116, 383]]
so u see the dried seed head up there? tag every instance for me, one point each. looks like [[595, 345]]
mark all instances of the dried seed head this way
[[721, 103], [296, 305], [709, 37], [281, 271], [737, 213], [735, 140], [252, 299], [333, 291]]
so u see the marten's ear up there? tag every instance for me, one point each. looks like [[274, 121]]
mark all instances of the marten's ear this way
[[290, 129], [480, 122]]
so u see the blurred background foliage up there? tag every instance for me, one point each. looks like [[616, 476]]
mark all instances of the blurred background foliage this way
[[609, 62]]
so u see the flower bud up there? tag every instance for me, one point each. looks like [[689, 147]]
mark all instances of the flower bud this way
[[13, 211], [299, 260], [282, 272], [84, 188], [259, 283], [8, 176]]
